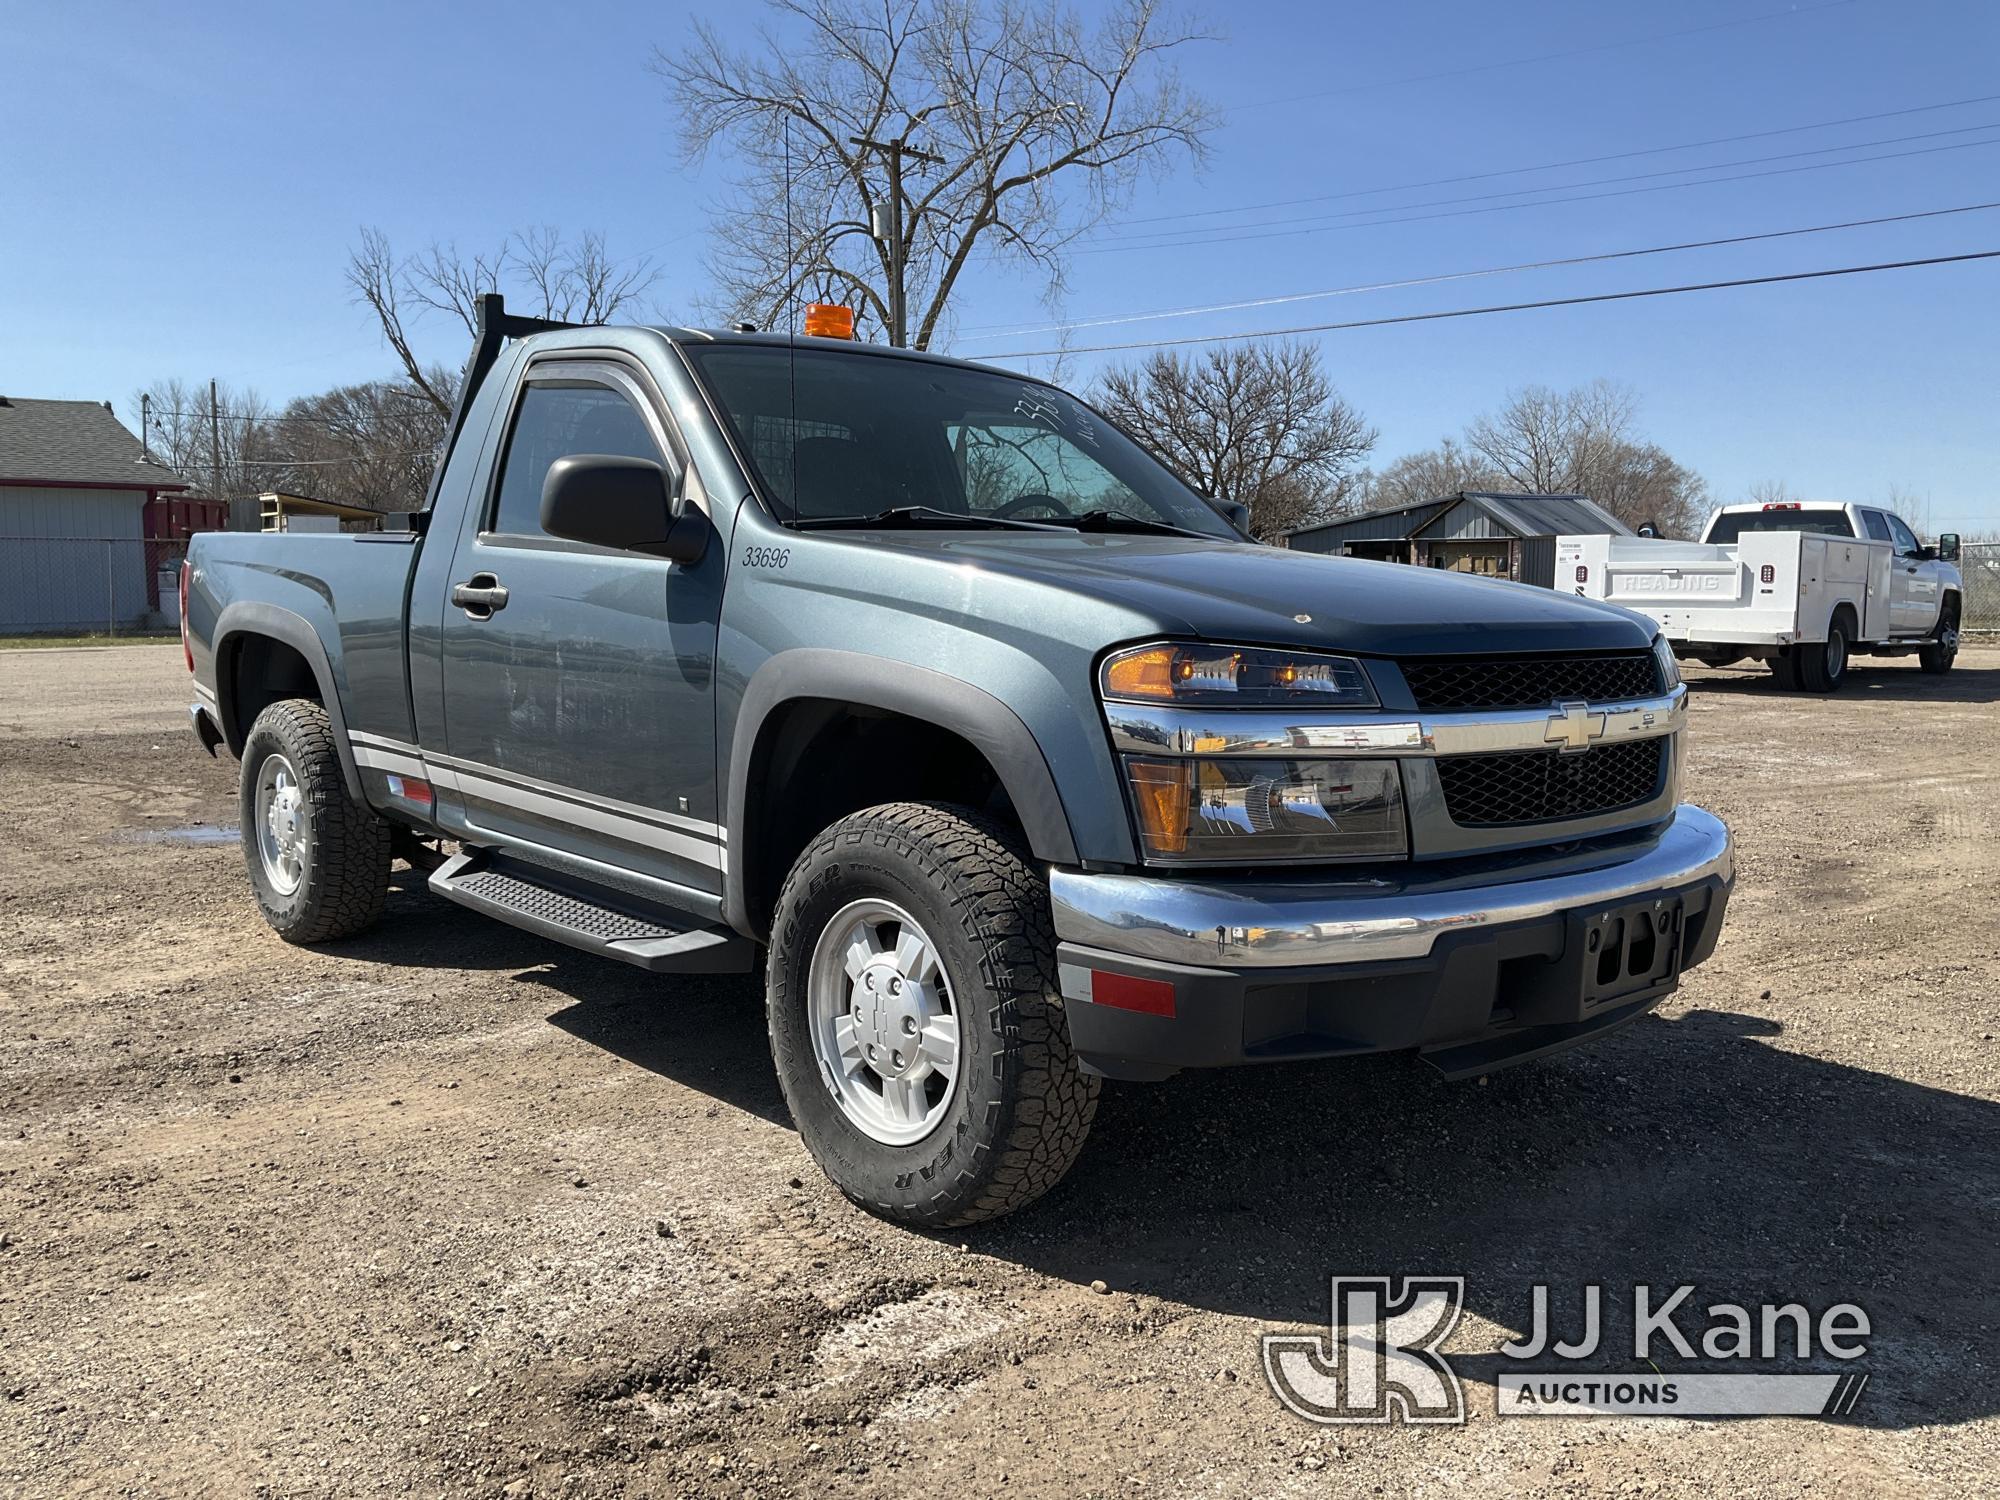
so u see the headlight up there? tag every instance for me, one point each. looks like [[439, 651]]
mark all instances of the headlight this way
[[1258, 811], [1233, 677], [1670, 670]]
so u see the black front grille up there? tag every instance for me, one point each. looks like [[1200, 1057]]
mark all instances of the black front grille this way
[[1529, 681], [1545, 786]]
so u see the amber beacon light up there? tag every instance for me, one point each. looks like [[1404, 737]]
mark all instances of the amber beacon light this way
[[829, 320]]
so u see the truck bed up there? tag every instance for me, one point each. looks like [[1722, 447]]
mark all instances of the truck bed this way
[[1771, 588], [348, 590]]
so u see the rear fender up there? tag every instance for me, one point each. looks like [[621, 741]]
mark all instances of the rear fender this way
[[248, 619]]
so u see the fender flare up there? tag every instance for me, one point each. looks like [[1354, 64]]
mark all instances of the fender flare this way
[[975, 715], [247, 618]]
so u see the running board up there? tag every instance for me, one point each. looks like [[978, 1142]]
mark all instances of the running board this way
[[607, 923]]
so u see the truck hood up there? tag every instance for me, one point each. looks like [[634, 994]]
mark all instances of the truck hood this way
[[1242, 592]]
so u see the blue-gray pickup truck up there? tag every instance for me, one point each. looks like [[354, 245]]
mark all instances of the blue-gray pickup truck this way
[[1008, 759]]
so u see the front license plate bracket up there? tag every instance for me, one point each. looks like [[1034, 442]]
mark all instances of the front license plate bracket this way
[[1628, 950]]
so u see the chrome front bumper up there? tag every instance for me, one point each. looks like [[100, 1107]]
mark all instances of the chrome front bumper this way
[[1202, 924]]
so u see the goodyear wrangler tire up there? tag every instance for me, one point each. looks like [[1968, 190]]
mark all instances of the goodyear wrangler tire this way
[[318, 860], [915, 1021]]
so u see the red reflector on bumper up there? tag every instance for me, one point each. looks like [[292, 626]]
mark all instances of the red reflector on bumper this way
[[1153, 997], [411, 789]]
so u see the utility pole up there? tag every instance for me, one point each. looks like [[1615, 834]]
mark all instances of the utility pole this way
[[892, 231], [145, 426], [214, 442]]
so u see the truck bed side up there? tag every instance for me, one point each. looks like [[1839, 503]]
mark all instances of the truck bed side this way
[[271, 615]]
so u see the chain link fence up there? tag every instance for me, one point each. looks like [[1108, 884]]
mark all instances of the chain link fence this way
[[1980, 563], [89, 585]]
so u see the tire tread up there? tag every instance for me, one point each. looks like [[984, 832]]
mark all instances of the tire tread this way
[[347, 878], [1033, 1132]]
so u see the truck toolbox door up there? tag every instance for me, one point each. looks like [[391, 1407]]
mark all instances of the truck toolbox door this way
[[579, 680]]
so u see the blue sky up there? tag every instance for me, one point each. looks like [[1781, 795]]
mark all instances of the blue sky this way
[[180, 187]]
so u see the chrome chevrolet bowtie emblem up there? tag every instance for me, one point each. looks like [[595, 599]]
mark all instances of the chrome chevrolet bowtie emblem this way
[[1574, 727]]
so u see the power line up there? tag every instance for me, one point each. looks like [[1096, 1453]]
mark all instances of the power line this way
[[1552, 166], [1520, 62], [1168, 238], [1461, 213], [1532, 265], [1506, 307]]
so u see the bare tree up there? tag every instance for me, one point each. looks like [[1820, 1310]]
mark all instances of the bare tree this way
[[573, 281], [1261, 424], [1430, 474], [1583, 442], [1769, 492], [370, 444], [1577, 442], [180, 435], [881, 142]]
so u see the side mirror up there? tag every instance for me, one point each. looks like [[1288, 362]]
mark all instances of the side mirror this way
[[1235, 512], [625, 503], [1947, 546]]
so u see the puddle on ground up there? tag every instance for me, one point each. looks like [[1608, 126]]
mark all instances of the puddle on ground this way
[[198, 834]]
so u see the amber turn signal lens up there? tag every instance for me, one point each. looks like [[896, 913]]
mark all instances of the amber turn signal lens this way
[[1141, 674], [1161, 791], [829, 320]]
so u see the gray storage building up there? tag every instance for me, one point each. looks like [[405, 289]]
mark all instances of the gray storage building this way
[[74, 491], [1494, 534]]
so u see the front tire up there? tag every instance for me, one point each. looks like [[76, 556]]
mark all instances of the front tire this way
[[915, 1019], [1937, 659], [318, 860]]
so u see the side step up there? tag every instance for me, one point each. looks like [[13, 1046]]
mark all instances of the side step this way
[[610, 924]]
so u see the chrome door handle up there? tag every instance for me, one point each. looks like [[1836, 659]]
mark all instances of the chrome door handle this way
[[479, 596]]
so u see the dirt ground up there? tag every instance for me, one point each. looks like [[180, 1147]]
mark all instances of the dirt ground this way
[[449, 1210]]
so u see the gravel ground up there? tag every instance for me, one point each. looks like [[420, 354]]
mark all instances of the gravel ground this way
[[451, 1210]]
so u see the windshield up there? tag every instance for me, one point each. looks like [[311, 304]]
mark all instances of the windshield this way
[[1820, 521], [852, 435]]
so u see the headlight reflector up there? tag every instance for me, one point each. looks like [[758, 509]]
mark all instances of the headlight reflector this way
[[1670, 670], [1234, 677], [1260, 811]]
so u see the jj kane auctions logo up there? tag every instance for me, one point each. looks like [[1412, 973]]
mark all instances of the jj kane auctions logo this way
[[1382, 1358]]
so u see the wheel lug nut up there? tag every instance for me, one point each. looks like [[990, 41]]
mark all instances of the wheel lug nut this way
[[909, 1026], [898, 1059]]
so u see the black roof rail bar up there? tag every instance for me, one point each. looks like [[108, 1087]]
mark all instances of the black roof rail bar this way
[[494, 325]]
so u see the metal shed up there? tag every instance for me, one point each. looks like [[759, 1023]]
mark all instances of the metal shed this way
[[1491, 533], [75, 491]]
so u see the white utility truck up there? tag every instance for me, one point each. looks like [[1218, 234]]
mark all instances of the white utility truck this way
[[1796, 584]]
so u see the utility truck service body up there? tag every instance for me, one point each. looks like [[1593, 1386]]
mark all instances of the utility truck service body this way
[[1009, 761], [1802, 586]]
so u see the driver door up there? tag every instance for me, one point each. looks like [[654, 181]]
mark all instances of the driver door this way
[[1913, 583], [579, 680]]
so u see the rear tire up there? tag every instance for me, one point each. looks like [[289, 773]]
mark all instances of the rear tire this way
[[318, 860], [1823, 668], [940, 906], [1937, 659]]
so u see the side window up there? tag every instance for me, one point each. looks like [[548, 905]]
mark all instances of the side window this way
[[1877, 525], [1903, 537], [552, 422]]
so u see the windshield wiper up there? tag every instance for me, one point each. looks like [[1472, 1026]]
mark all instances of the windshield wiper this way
[[901, 514], [1118, 520]]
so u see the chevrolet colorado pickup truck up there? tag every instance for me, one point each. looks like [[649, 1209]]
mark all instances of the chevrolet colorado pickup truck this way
[[1008, 758], [1802, 586]]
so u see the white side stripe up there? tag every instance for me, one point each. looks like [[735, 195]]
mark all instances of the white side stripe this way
[[698, 851], [384, 760], [449, 772]]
